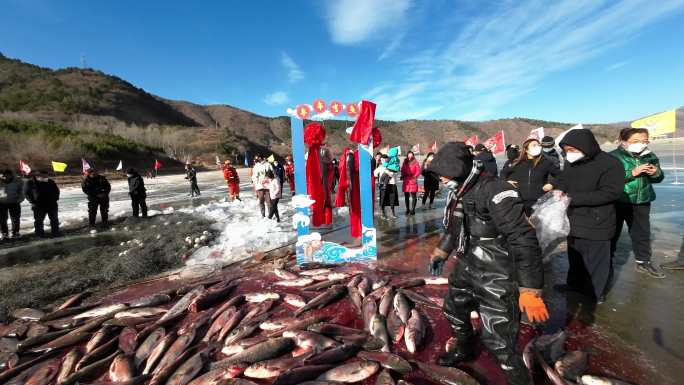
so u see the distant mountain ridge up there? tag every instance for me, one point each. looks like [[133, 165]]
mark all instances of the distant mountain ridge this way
[[87, 99]]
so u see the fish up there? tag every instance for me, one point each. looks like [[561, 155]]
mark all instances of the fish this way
[[38, 340], [179, 346], [44, 374], [141, 312], [415, 332], [72, 338], [528, 355], [551, 373], [330, 330], [181, 306], [162, 373], [310, 273], [319, 382], [356, 298], [378, 329], [147, 345], [370, 308], [8, 360], [285, 274], [355, 371], [69, 302], [365, 286], [402, 382], [395, 328], [90, 370], [387, 360], [318, 278], [98, 353], [158, 352], [262, 351], [412, 282], [121, 369], [299, 282], [386, 301], [104, 334], [402, 307], [102, 310], [241, 332], [16, 329], [231, 323], [446, 375], [218, 324], [436, 280], [299, 325], [241, 345], [294, 300], [551, 346], [256, 311], [572, 365], [301, 374], [127, 340], [233, 302], [381, 282], [27, 314], [219, 376], [150, 300], [66, 312], [271, 368], [327, 297], [418, 298], [68, 365], [8, 344], [23, 369], [354, 282], [261, 297], [322, 285], [334, 276], [211, 296], [277, 324], [188, 369], [384, 378], [310, 340], [202, 318], [36, 329], [139, 380], [597, 380], [335, 355]]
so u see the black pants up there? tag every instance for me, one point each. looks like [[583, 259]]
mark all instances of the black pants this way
[[93, 205], [430, 194], [139, 205], [414, 199], [638, 218], [194, 188], [273, 209], [264, 198], [11, 211], [496, 299], [590, 265], [39, 214]]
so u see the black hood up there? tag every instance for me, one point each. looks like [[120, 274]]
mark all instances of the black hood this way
[[453, 161], [485, 156], [582, 140]]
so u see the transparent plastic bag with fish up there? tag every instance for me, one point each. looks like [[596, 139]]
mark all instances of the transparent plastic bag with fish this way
[[550, 220]]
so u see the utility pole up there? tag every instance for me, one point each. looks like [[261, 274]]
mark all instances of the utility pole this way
[[83, 61]]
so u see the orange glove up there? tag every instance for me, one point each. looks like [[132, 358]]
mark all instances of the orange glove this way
[[533, 305]]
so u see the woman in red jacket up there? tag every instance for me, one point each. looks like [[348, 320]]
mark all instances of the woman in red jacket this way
[[410, 171], [232, 178]]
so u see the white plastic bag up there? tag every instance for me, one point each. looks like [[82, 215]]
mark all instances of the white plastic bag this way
[[550, 220]]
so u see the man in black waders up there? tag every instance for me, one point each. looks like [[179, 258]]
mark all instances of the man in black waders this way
[[499, 272]]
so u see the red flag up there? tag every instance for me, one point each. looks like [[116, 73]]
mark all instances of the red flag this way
[[363, 128], [497, 143], [472, 141], [157, 164], [85, 166], [433, 148], [536, 134], [24, 168]]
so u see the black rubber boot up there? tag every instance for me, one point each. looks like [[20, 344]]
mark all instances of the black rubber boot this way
[[463, 353]]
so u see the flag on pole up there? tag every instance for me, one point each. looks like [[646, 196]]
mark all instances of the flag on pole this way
[[416, 149], [58, 166], [658, 124], [24, 168], [157, 164], [497, 143], [472, 141], [120, 166], [433, 148], [85, 166], [536, 134]]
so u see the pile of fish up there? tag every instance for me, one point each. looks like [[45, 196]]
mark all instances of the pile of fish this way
[[220, 330], [560, 366]]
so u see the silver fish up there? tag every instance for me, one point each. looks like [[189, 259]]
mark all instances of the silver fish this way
[[415, 332], [181, 307], [355, 371], [402, 307], [261, 297], [294, 300], [285, 274]]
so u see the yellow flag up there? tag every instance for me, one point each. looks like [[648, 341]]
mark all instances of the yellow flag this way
[[59, 166], [658, 124], [271, 159]]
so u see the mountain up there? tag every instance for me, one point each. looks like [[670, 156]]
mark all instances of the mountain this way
[[87, 103]]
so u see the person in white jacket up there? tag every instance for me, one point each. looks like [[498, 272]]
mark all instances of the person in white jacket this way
[[275, 192], [261, 167]]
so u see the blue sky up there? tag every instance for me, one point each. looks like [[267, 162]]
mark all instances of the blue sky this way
[[569, 60]]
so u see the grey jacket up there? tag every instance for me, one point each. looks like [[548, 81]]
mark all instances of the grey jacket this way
[[12, 192]]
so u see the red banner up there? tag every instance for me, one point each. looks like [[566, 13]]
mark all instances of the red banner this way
[[157, 164], [319, 106], [24, 168], [336, 108], [497, 143], [472, 141]]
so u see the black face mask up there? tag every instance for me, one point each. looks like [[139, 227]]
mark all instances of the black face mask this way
[[512, 153]]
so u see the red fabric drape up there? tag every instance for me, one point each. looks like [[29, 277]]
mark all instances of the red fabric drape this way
[[314, 135], [363, 128]]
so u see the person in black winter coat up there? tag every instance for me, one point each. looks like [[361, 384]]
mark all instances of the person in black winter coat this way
[[136, 189], [499, 269], [97, 188], [548, 147], [512, 155], [487, 158], [191, 176], [11, 196], [43, 194], [279, 171], [430, 181], [531, 173], [593, 180]]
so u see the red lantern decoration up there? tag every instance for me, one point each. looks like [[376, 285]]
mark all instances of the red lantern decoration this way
[[303, 111], [319, 106], [352, 109], [336, 108]]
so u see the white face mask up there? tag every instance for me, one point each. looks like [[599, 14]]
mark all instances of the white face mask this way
[[636, 148], [534, 151], [573, 157], [547, 149]]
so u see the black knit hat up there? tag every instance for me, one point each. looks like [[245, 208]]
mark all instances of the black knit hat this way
[[480, 147], [453, 161], [548, 141]]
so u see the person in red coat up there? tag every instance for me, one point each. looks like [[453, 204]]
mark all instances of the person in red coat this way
[[290, 173], [410, 171], [230, 175]]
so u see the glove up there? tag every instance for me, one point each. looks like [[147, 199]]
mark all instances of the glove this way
[[532, 304], [436, 265]]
